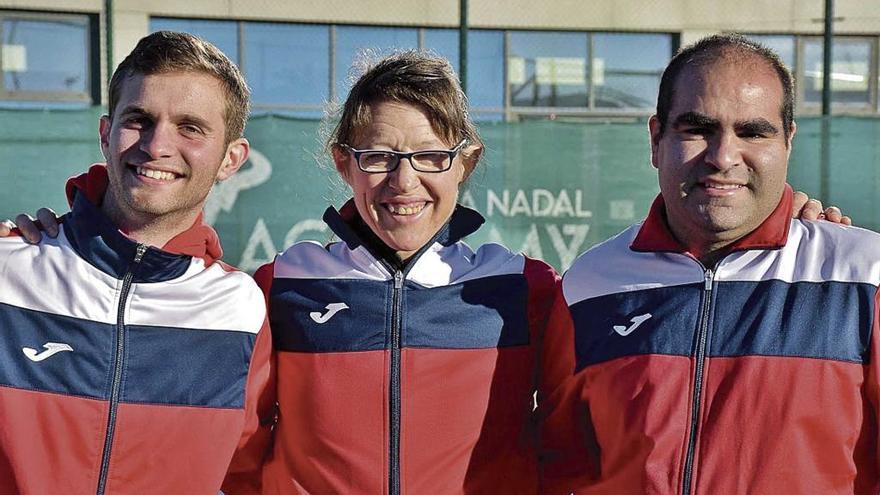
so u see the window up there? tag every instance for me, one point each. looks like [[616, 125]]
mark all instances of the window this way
[[443, 42], [353, 42], [626, 68], [547, 69], [784, 45], [287, 65], [222, 34], [47, 57], [854, 61], [296, 68], [850, 71], [581, 72], [485, 77]]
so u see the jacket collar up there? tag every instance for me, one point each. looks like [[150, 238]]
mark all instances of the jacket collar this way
[[655, 236], [94, 237], [198, 241], [347, 224]]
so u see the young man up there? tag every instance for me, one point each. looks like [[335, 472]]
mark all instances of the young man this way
[[132, 358], [718, 347]]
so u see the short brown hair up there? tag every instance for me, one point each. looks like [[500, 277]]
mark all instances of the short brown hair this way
[[417, 78], [713, 48], [170, 51]]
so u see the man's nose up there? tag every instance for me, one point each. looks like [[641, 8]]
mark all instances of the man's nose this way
[[157, 141], [724, 151]]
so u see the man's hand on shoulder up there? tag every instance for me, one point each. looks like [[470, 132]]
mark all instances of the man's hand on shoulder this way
[[32, 228], [6, 227], [811, 209]]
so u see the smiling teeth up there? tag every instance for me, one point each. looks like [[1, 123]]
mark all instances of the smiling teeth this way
[[405, 210], [724, 186], [155, 174]]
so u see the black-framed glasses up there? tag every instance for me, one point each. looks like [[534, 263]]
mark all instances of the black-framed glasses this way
[[384, 161]]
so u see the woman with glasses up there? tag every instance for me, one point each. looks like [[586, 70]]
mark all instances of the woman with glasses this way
[[405, 358]]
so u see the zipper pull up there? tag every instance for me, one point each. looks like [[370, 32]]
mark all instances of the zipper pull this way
[[708, 276], [398, 279], [139, 252]]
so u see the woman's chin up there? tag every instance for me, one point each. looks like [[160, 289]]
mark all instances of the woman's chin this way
[[406, 245]]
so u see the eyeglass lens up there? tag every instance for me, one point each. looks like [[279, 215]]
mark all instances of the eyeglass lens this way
[[429, 161]]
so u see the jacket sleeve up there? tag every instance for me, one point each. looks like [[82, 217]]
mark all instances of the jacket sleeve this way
[[244, 476], [872, 392], [543, 283], [568, 451]]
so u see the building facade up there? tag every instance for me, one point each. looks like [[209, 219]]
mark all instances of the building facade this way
[[524, 59]]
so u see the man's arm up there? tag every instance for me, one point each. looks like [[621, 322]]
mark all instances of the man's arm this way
[[244, 476], [872, 392], [568, 448]]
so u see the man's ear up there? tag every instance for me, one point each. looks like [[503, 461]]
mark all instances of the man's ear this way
[[791, 131], [342, 160], [654, 130], [104, 136], [236, 154]]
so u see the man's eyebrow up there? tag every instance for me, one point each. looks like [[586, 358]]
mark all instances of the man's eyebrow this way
[[195, 119], [757, 126], [133, 110], [694, 119]]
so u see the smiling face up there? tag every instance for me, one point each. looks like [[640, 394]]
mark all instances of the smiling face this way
[[723, 156], [404, 208], [165, 148]]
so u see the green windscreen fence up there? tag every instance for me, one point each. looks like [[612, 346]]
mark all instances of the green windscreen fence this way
[[550, 189]]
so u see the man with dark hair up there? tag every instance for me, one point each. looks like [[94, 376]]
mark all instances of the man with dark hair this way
[[718, 347], [133, 357], [705, 51]]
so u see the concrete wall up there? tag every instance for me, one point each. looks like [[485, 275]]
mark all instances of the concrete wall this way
[[857, 16]]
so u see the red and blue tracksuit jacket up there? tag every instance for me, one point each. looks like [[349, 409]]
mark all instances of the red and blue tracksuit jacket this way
[[409, 378], [758, 375], [124, 369]]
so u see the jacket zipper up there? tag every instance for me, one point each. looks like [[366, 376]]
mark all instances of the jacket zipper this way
[[702, 344], [399, 274], [394, 396], [117, 366]]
